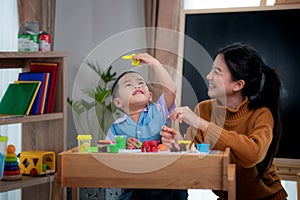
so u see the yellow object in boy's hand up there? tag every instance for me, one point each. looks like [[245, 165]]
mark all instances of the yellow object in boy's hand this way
[[130, 57]]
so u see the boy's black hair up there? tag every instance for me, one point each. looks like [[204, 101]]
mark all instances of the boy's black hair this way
[[114, 88]]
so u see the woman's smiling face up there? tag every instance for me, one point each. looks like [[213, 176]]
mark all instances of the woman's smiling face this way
[[219, 78]]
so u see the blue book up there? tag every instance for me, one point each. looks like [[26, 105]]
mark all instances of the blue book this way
[[39, 102]]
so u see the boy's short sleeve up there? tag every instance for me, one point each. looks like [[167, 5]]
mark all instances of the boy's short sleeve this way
[[162, 106], [110, 135]]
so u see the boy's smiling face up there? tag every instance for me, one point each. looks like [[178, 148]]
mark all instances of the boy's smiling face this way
[[133, 93]]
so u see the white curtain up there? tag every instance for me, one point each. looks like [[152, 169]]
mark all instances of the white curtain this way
[[9, 42]]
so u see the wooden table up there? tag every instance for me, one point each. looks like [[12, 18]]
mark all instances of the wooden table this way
[[146, 170]]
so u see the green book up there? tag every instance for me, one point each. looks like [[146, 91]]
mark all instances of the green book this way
[[17, 98]]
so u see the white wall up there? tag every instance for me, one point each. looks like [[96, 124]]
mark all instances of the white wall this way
[[81, 25]]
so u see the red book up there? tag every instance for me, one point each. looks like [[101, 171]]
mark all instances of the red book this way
[[52, 68]]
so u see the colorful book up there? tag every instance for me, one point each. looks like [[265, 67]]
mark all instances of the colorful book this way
[[34, 95], [38, 104], [17, 98], [52, 68]]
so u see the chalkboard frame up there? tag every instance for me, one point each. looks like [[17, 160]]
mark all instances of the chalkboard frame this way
[[289, 168]]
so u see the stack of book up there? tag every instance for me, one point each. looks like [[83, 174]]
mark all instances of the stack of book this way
[[33, 93]]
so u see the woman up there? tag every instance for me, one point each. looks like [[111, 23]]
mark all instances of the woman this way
[[243, 114]]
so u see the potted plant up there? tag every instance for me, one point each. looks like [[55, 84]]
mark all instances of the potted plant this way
[[94, 114]]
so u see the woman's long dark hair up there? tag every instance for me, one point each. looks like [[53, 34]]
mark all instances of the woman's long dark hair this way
[[262, 87]]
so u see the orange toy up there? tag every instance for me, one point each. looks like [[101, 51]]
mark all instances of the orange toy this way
[[10, 149], [11, 164]]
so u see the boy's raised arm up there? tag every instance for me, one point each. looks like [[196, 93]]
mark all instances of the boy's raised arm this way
[[161, 77]]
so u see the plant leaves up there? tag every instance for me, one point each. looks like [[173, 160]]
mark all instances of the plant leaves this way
[[99, 99]]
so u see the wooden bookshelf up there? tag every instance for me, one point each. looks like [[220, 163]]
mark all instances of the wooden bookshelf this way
[[26, 181], [45, 132], [31, 118]]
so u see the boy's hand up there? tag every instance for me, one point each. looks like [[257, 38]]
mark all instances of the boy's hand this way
[[147, 59], [132, 143]]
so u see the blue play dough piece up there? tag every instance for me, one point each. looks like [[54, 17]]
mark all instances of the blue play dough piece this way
[[204, 148]]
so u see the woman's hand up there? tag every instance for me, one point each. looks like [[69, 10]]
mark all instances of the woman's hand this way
[[132, 143], [185, 114]]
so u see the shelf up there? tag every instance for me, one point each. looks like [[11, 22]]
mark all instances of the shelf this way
[[22, 59], [41, 132], [26, 181], [31, 118], [26, 55]]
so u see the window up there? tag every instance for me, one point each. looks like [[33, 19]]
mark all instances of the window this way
[[204, 4], [9, 42]]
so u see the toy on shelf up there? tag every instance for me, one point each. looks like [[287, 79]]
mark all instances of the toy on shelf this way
[[11, 164], [3, 141], [35, 163]]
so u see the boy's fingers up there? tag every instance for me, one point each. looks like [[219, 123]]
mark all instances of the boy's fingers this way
[[132, 143]]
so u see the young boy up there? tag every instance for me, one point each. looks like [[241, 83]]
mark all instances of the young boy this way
[[142, 119]]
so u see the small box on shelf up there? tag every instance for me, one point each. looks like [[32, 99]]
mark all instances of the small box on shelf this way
[[28, 42]]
